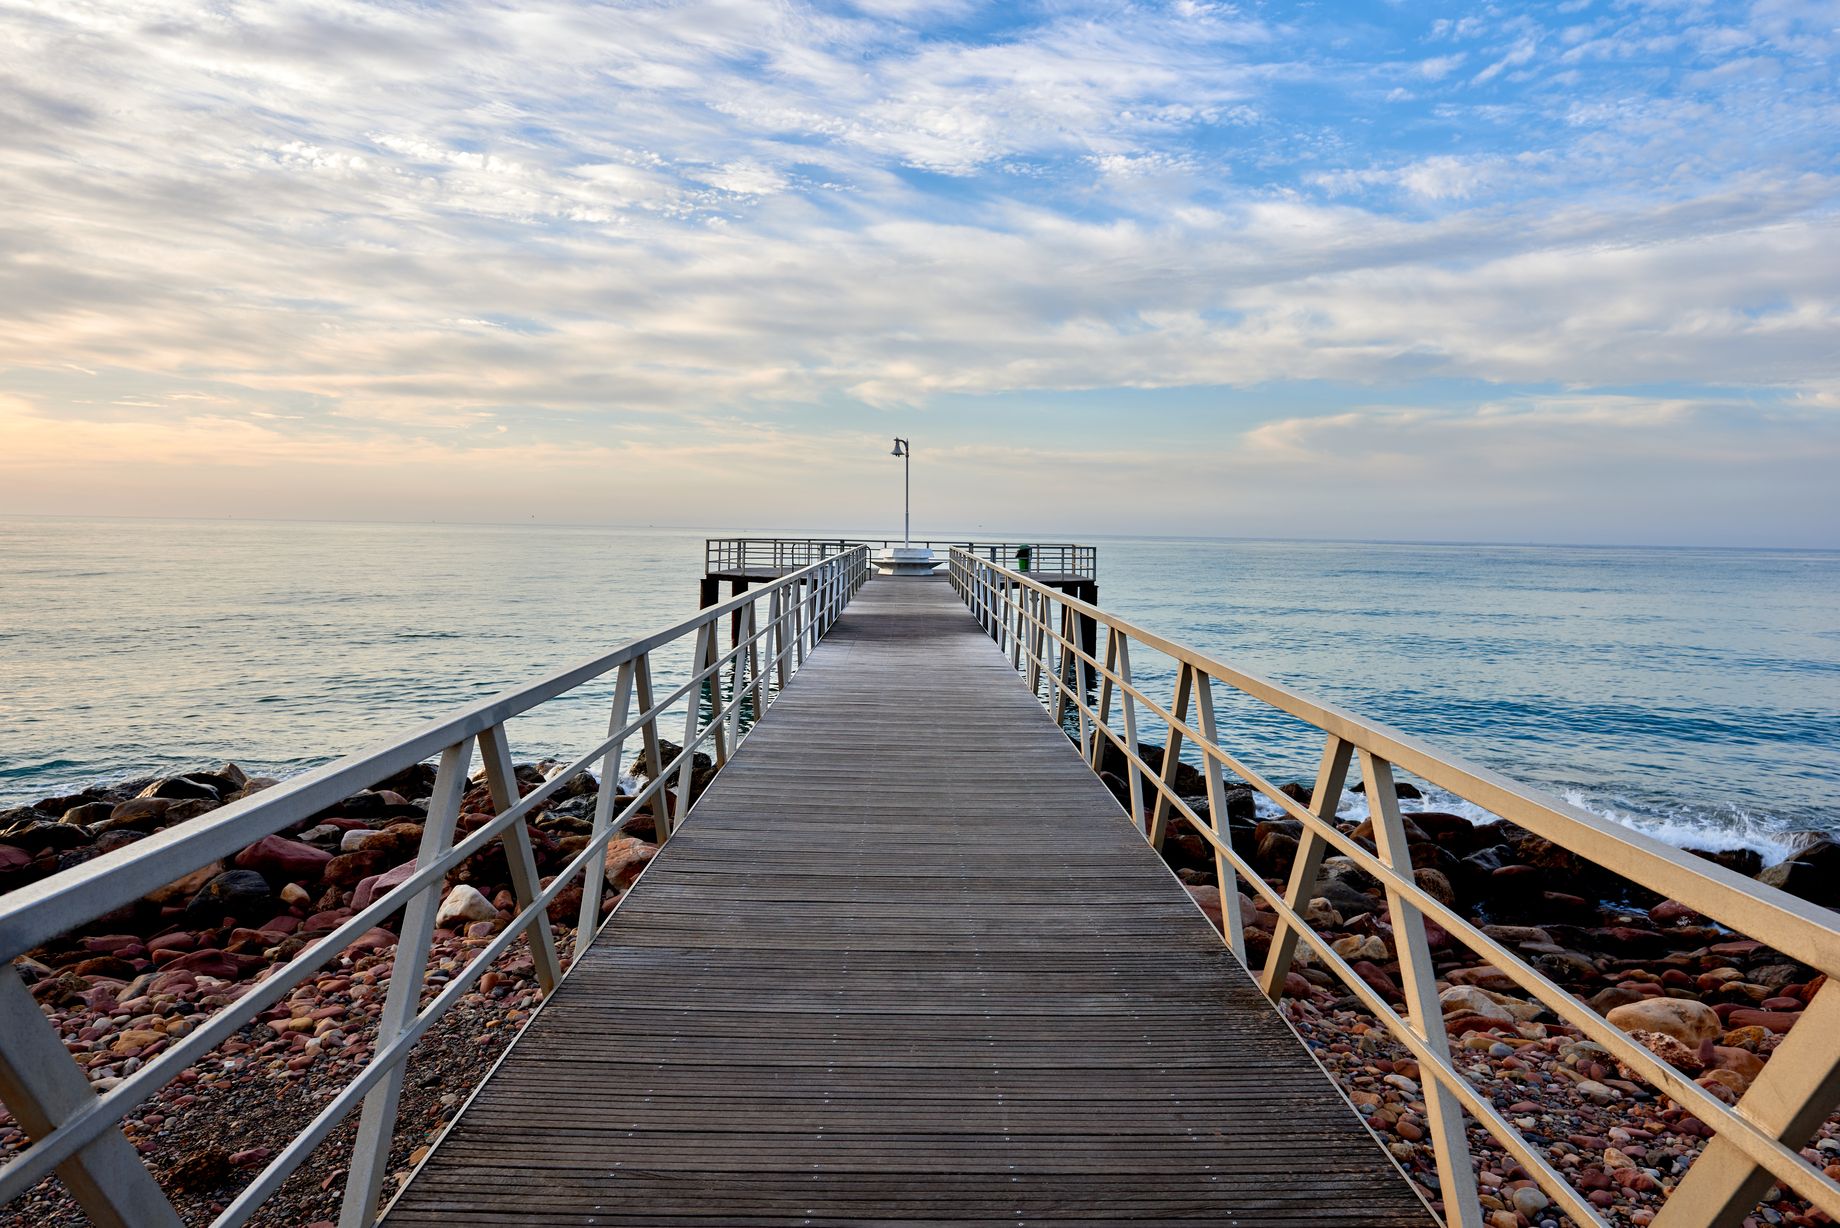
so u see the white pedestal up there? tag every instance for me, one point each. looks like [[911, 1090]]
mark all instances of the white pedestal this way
[[907, 561]]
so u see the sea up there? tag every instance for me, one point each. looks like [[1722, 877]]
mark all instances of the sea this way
[[1693, 694]]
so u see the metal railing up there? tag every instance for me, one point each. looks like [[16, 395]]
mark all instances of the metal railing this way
[[1752, 1146], [764, 555], [75, 1133], [768, 555]]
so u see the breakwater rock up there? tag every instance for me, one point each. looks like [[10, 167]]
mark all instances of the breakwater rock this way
[[129, 986], [1711, 1003]]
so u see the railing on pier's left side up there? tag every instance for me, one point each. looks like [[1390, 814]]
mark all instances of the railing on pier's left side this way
[[764, 556], [75, 1132], [1754, 1144]]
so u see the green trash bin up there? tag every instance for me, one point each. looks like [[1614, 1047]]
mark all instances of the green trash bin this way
[[1022, 558]]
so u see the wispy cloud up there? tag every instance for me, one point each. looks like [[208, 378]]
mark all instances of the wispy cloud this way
[[347, 225]]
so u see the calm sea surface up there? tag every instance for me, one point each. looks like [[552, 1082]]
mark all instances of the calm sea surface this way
[[1693, 693]]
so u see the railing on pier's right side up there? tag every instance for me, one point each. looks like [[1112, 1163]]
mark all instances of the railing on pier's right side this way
[[1754, 1144], [75, 1132]]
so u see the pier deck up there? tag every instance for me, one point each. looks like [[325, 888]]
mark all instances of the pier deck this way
[[907, 963]]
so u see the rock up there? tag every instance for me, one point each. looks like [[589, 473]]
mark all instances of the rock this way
[[180, 787], [381, 884], [626, 856], [295, 896], [1207, 898], [464, 903], [1774, 1021], [1529, 1201], [37, 835], [352, 839], [12, 858], [349, 869], [1361, 946], [1686, 1021], [1276, 850], [1606, 1000], [212, 962], [395, 842], [243, 894], [1436, 885], [1321, 915], [184, 888], [1813, 874], [87, 813], [283, 859], [1401, 788], [1468, 1000]]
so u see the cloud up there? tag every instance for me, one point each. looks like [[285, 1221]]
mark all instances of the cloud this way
[[350, 226]]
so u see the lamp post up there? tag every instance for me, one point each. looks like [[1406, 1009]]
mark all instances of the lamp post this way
[[904, 448]]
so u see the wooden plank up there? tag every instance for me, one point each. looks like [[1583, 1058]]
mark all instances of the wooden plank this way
[[908, 962]]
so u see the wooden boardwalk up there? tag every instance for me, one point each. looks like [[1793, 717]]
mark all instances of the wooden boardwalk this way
[[908, 963]]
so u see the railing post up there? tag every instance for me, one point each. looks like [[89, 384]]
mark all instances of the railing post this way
[[1102, 721], [501, 784], [1128, 706], [1331, 775], [43, 1088], [370, 1157], [1172, 750], [1789, 1100], [595, 872], [1424, 1014], [705, 643], [1065, 679], [1233, 925], [654, 756]]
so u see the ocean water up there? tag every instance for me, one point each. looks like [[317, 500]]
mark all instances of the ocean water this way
[[1692, 693]]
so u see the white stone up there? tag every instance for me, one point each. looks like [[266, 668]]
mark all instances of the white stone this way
[[464, 904], [349, 842]]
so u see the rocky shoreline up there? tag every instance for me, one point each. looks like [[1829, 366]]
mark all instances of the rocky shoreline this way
[[1709, 1002], [122, 990]]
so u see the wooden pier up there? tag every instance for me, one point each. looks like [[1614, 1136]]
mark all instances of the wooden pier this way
[[907, 962]]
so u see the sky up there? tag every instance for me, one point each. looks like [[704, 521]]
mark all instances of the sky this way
[[1526, 272]]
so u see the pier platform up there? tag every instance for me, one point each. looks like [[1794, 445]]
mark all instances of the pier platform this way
[[907, 962]]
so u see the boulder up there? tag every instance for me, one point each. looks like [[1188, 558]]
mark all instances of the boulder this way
[[178, 788], [1813, 874], [1686, 1021], [37, 835], [243, 894], [185, 887], [1402, 788], [349, 869], [463, 904], [87, 813], [1469, 1000], [381, 884], [285, 860]]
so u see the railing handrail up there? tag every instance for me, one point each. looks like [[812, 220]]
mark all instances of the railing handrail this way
[[74, 1131], [1067, 558], [1752, 1144], [33, 914]]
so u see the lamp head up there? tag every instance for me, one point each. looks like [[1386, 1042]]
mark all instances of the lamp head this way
[[899, 447]]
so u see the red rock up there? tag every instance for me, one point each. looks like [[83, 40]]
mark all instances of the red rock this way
[[380, 884], [111, 944], [1744, 946], [279, 858], [1208, 898], [1295, 986], [208, 962], [1775, 1021], [13, 858], [286, 923], [325, 922], [378, 939], [174, 981], [1781, 1004], [1376, 977], [179, 940]]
